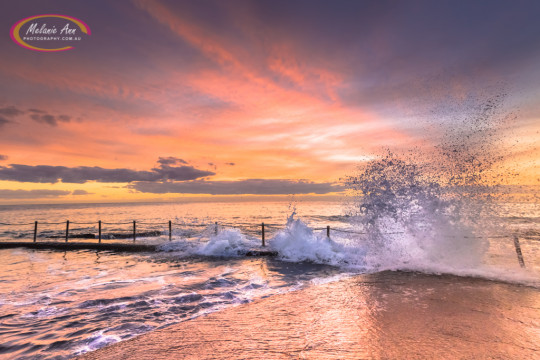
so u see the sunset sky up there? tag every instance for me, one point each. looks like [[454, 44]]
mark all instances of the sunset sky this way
[[167, 99]]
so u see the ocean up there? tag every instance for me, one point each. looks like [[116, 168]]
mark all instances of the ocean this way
[[59, 304]]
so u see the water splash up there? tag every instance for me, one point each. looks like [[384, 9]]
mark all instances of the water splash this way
[[298, 242], [432, 207], [228, 242], [408, 220]]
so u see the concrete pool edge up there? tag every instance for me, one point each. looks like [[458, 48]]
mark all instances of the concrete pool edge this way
[[67, 246]]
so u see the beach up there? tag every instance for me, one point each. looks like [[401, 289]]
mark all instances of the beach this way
[[387, 315]]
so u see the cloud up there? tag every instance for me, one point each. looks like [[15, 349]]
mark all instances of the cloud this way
[[37, 115], [31, 194], [170, 160], [10, 111], [81, 192], [50, 119], [179, 173], [249, 186], [3, 157], [82, 174], [3, 121], [230, 164]]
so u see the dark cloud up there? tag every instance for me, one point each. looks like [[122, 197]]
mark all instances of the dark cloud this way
[[82, 174], [3, 157], [3, 121], [249, 186], [179, 173], [406, 49], [230, 164], [81, 192], [31, 194], [37, 111], [170, 160], [10, 111], [50, 119]]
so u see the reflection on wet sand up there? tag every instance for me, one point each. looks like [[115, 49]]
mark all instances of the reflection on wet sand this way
[[385, 315]]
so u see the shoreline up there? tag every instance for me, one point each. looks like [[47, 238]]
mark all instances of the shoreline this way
[[382, 315]]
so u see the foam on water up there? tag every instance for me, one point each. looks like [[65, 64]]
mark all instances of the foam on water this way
[[395, 251], [433, 210], [226, 243], [229, 242], [96, 299], [97, 341], [410, 226], [436, 209], [298, 242]]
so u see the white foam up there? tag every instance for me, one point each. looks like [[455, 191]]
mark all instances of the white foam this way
[[400, 249], [179, 246], [426, 241], [298, 242], [97, 341], [228, 242]]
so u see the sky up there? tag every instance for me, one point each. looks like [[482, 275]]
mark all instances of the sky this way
[[167, 100]]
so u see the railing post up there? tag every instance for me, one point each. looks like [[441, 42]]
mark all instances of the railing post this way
[[35, 231], [262, 228], [134, 231], [99, 231], [518, 251], [67, 230], [170, 230], [328, 231], [215, 228]]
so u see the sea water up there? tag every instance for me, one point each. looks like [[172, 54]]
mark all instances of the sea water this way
[[56, 304]]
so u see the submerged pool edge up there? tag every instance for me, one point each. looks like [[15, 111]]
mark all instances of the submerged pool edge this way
[[55, 245]]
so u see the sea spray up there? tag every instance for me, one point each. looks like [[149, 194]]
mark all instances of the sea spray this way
[[432, 207], [228, 242], [407, 221], [297, 242]]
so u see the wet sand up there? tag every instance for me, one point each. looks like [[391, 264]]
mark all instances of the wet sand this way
[[389, 315]]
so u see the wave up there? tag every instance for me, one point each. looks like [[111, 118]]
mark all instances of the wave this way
[[358, 253]]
